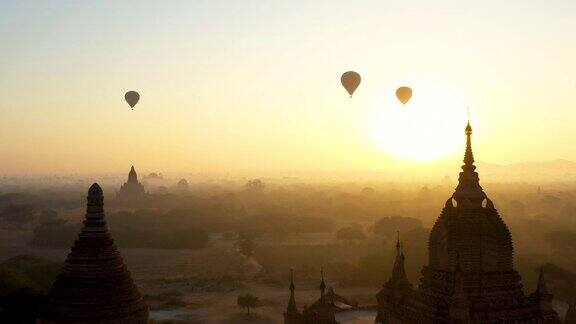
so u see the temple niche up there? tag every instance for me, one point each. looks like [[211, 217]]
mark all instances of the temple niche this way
[[470, 276], [94, 285], [132, 189]]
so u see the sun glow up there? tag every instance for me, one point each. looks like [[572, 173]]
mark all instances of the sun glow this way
[[429, 127]]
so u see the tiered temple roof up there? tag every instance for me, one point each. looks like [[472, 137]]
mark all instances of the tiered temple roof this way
[[94, 285], [470, 276]]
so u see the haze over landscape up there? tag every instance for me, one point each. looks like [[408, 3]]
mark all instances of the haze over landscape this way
[[296, 162]]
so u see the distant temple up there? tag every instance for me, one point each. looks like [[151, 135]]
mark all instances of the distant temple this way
[[322, 311], [470, 276], [132, 189], [94, 285], [182, 185]]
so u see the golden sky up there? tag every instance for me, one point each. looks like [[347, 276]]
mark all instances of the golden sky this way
[[255, 85]]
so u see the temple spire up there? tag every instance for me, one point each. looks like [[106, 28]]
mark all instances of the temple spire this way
[[469, 193], [399, 276], [541, 288], [468, 155], [132, 176], [322, 283], [292, 309], [543, 295], [398, 244]]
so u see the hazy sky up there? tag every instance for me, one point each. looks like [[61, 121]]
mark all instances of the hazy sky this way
[[254, 85]]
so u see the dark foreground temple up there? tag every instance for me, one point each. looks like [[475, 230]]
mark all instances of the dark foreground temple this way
[[470, 276], [322, 310], [94, 285]]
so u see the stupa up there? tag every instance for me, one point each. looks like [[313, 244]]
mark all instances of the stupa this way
[[94, 285]]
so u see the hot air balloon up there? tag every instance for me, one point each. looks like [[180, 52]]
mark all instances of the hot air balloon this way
[[132, 98], [404, 94], [350, 80]]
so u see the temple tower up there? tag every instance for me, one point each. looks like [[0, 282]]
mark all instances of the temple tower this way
[[132, 189], [396, 290], [323, 310], [291, 316], [470, 276], [94, 285]]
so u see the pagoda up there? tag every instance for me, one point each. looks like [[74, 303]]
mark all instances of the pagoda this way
[[470, 276], [322, 311], [132, 189], [94, 285]]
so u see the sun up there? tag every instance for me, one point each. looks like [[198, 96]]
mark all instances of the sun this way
[[427, 128]]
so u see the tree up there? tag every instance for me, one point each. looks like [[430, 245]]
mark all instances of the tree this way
[[246, 244], [350, 233], [247, 301]]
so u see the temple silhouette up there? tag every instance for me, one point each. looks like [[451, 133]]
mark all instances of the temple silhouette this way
[[132, 189], [323, 310], [469, 278], [182, 185], [94, 285]]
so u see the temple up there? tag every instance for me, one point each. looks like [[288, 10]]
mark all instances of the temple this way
[[182, 185], [470, 276], [322, 311], [132, 189], [398, 287], [292, 316], [570, 317], [94, 285]]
